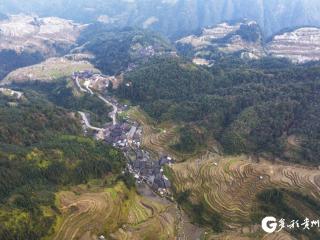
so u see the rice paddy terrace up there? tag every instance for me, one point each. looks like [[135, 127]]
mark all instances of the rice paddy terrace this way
[[116, 212], [229, 187], [157, 138]]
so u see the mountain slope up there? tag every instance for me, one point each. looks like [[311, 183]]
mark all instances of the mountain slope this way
[[26, 40], [243, 38], [47, 35], [299, 45], [41, 152], [117, 49], [254, 108], [177, 17]]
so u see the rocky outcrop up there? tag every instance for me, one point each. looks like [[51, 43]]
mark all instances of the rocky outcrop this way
[[300, 45]]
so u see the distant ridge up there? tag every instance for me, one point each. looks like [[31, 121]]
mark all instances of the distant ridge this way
[[176, 18]]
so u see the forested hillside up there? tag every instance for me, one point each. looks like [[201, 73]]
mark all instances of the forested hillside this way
[[116, 49], [63, 94], [250, 107], [41, 151], [10, 60]]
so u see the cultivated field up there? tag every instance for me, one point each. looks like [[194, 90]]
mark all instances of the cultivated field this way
[[158, 138], [114, 212], [48, 71], [229, 185]]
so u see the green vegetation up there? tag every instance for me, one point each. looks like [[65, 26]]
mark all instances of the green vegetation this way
[[250, 33], [115, 49], [41, 152], [199, 213], [34, 120], [11, 60], [63, 94], [248, 106], [189, 141], [285, 204]]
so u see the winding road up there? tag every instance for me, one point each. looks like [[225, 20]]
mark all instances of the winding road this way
[[79, 86], [87, 123], [113, 114]]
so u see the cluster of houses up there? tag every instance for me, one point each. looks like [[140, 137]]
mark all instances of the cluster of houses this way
[[127, 136], [93, 80], [151, 172], [122, 135]]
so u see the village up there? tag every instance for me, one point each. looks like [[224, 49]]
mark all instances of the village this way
[[126, 135]]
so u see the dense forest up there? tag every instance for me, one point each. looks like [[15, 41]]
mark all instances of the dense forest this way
[[252, 107], [11, 60], [285, 204], [116, 49], [42, 150], [62, 94]]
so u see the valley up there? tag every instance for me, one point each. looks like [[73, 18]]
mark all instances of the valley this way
[[111, 131], [201, 176], [223, 185]]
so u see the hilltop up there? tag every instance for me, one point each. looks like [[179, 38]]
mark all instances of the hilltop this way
[[116, 50], [242, 38], [245, 40]]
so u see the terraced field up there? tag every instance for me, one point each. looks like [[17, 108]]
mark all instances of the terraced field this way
[[229, 185], [157, 138], [114, 212], [50, 70], [85, 213]]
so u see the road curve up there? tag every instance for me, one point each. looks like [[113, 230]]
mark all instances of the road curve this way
[[86, 122], [113, 114]]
